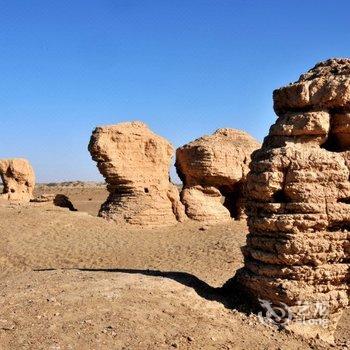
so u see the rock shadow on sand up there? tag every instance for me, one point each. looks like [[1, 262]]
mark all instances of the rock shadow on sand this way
[[229, 295]]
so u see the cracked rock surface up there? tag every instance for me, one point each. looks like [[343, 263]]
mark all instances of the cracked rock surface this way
[[298, 202]]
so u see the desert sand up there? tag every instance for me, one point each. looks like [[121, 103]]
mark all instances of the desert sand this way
[[71, 280]]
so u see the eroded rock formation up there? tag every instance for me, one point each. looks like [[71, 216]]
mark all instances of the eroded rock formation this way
[[135, 163], [213, 170], [18, 180], [298, 203]]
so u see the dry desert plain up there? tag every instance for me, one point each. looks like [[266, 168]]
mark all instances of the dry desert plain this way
[[72, 280]]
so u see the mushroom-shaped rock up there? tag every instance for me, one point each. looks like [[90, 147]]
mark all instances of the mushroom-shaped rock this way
[[18, 179], [135, 163], [213, 170], [298, 204]]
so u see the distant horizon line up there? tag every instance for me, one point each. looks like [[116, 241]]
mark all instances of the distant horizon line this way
[[96, 182]]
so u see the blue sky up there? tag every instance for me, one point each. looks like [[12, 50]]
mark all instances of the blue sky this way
[[185, 67]]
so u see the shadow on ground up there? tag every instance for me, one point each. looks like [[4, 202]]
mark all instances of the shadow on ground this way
[[229, 294]]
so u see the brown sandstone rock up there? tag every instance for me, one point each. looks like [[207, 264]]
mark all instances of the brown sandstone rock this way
[[213, 169], [298, 203], [18, 180], [326, 86], [135, 163], [204, 204]]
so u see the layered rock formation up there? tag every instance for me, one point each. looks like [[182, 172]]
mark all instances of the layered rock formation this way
[[135, 163], [18, 180], [213, 170], [298, 203]]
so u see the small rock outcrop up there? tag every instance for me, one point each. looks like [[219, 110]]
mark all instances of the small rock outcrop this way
[[135, 163], [213, 170], [18, 180], [59, 200], [298, 203]]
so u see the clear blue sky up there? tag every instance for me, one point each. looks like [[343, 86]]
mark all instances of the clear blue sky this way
[[184, 67]]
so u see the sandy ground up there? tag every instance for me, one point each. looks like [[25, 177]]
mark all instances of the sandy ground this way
[[70, 280]]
